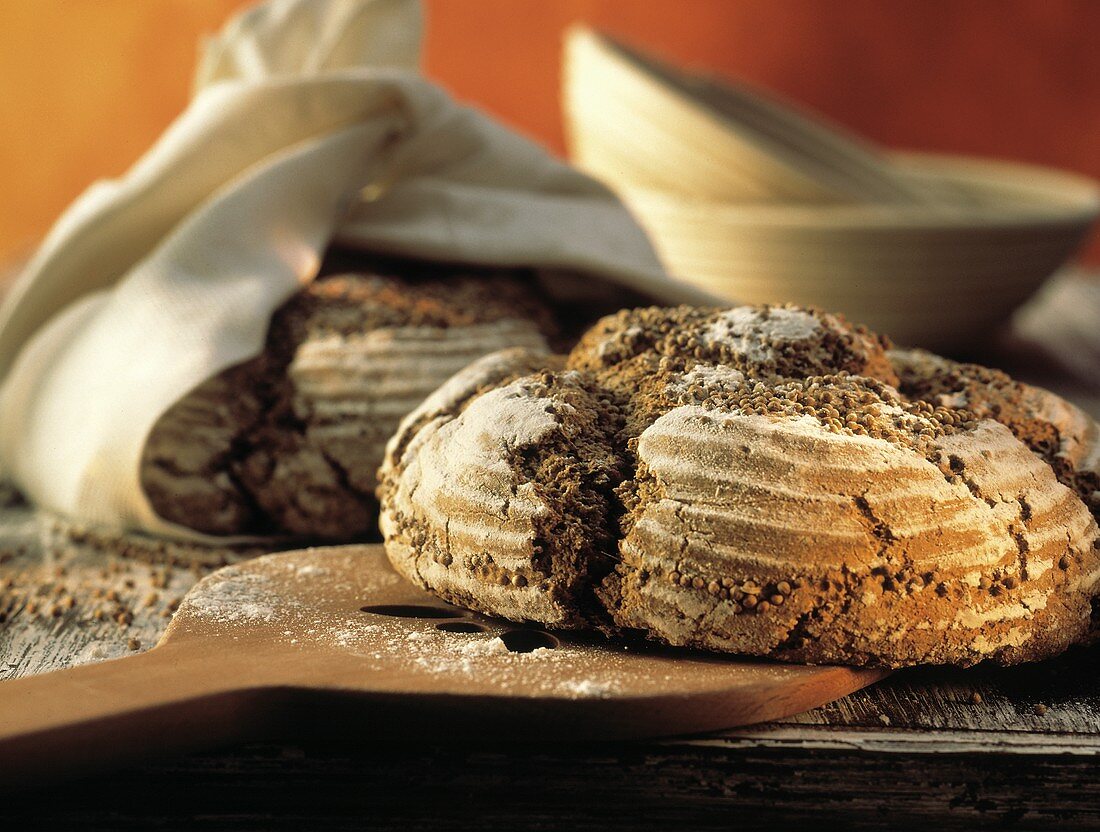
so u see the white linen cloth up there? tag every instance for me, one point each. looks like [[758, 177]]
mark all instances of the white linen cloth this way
[[309, 124]]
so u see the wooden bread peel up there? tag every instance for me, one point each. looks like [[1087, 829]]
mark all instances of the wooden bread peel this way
[[331, 642]]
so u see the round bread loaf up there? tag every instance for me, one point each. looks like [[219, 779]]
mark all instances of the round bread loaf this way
[[290, 442], [768, 481]]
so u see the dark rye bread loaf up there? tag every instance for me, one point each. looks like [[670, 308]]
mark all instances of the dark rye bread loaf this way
[[289, 443], [760, 480]]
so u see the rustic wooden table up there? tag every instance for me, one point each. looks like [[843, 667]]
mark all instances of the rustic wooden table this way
[[986, 747], [981, 748]]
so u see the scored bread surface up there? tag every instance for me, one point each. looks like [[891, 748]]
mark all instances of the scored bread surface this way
[[291, 441], [762, 480]]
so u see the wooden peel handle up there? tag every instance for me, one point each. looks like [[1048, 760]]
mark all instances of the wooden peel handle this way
[[98, 716]]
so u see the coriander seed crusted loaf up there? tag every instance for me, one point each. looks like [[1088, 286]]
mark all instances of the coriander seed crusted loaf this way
[[761, 480], [289, 443]]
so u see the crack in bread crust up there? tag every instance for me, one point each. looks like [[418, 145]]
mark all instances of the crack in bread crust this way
[[763, 480], [504, 503]]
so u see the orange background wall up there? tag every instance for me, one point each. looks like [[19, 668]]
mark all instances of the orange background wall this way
[[87, 85]]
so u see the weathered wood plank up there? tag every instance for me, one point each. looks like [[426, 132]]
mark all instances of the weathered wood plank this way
[[64, 603], [1057, 696], [632, 787]]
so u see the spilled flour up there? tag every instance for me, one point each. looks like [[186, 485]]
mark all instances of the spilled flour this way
[[241, 600], [238, 597]]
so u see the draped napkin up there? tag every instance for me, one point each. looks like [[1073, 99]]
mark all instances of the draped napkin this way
[[309, 124]]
